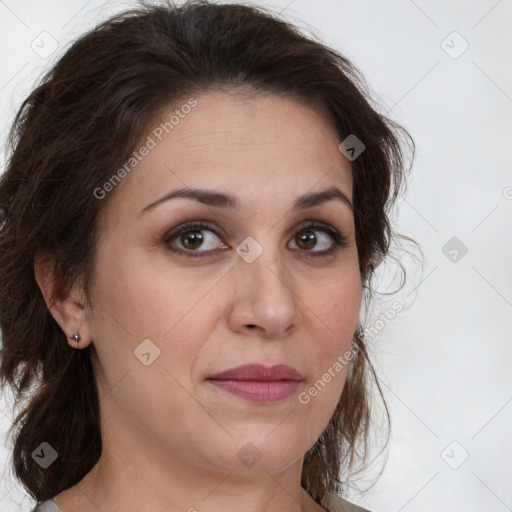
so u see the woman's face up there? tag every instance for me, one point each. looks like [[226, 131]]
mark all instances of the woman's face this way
[[168, 312]]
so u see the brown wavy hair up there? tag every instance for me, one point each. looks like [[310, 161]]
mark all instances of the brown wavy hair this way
[[81, 123]]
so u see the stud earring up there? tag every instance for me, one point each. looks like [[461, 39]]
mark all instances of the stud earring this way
[[76, 337]]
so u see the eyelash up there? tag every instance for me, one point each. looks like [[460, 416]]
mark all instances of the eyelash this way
[[339, 240]]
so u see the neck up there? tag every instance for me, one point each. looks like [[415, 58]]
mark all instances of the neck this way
[[131, 480]]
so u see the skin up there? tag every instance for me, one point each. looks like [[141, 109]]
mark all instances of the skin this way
[[170, 438]]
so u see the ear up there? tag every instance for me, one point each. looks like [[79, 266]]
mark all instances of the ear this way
[[68, 312]]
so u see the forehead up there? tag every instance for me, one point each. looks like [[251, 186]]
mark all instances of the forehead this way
[[265, 146]]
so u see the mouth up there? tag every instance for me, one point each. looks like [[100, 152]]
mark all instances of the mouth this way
[[259, 383]]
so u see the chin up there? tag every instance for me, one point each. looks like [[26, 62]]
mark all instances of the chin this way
[[269, 453]]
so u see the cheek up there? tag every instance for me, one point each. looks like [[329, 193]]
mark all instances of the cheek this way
[[336, 305], [334, 313], [143, 297], [139, 300]]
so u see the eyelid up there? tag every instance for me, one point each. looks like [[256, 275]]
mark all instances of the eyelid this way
[[199, 223], [339, 240]]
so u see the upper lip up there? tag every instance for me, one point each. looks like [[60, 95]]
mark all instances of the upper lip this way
[[260, 372]]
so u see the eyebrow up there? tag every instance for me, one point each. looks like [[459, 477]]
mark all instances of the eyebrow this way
[[222, 200]]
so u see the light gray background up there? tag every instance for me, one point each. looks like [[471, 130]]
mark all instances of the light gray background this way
[[445, 359]]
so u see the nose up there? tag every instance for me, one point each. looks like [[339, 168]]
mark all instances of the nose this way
[[264, 298]]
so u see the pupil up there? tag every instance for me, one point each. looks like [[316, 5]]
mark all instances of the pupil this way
[[308, 238], [195, 237]]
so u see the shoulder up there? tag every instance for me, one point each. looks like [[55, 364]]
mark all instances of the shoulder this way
[[47, 506], [334, 503]]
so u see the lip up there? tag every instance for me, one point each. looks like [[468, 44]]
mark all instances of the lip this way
[[260, 372], [259, 383]]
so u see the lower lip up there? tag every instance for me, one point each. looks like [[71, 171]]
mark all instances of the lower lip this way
[[259, 391]]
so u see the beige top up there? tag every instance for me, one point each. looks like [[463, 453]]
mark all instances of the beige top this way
[[334, 503], [331, 502], [47, 506]]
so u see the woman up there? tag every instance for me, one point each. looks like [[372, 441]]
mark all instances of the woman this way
[[196, 201]]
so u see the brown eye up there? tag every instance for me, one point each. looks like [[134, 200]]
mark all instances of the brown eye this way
[[307, 240], [197, 239], [191, 239]]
